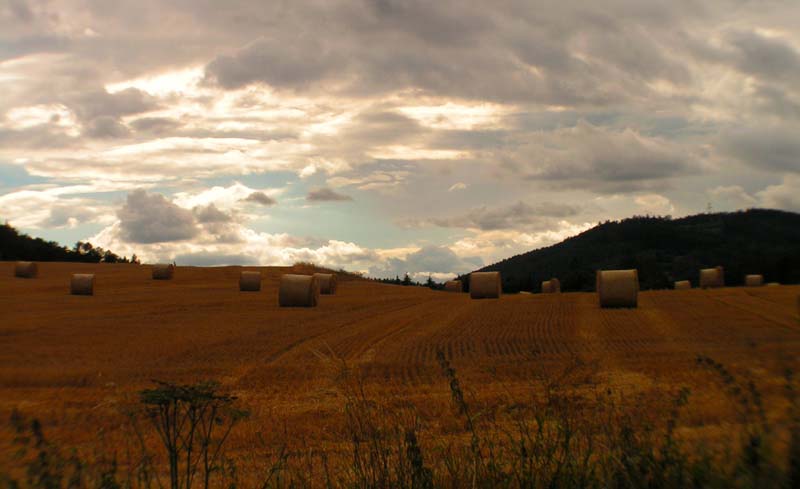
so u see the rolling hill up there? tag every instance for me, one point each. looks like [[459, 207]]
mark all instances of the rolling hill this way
[[664, 250]]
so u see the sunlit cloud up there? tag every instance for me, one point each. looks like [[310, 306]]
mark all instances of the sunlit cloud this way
[[183, 81], [55, 114], [397, 152], [451, 115]]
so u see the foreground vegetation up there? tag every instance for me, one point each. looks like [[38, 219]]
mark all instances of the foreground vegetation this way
[[563, 436]]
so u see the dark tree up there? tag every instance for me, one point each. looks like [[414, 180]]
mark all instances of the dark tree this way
[[17, 246]]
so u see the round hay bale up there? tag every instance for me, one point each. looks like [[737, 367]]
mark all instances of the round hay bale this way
[[547, 287], [683, 285], [82, 284], [163, 271], [753, 280], [712, 278], [485, 285], [26, 269], [327, 283], [618, 288], [250, 281], [453, 286], [773, 284], [298, 291], [555, 286]]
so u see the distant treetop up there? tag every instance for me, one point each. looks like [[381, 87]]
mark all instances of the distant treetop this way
[[18, 246]]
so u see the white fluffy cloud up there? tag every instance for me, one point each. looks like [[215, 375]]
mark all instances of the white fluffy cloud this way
[[228, 198], [48, 207], [495, 245], [438, 262], [785, 195], [730, 197], [654, 204]]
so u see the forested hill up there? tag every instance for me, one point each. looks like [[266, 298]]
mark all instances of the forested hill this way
[[664, 250], [17, 246]]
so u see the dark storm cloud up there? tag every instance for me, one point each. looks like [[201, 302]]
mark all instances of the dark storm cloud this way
[[20, 10], [516, 216], [588, 156], [283, 63], [383, 125], [474, 139], [768, 58], [775, 101], [326, 195], [155, 125], [557, 53], [335, 40], [773, 63], [570, 52], [106, 127], [260, 198], [151, 218], [210, 214], [32, 44], [101, 103], [100, 111], [767, 148]]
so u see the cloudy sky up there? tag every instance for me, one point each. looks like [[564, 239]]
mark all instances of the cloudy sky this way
[[388, 136]]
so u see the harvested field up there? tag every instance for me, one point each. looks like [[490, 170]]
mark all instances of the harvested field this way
[[74, 360]]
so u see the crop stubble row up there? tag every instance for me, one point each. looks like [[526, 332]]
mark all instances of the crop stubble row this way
[[200, 326]]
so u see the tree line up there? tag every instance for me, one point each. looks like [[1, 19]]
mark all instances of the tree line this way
[[19, 246]]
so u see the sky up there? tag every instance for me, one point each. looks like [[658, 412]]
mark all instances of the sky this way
[[388, 136]]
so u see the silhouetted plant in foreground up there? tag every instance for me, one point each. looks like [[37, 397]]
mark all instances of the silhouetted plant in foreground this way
[[758, 464], [193, 422], [457, 396], [44, 465], [794, 432], [384, 444]]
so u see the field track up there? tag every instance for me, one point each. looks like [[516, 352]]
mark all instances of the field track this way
[[68, 356]]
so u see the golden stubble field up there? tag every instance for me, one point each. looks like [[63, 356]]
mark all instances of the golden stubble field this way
[[73, 361]]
